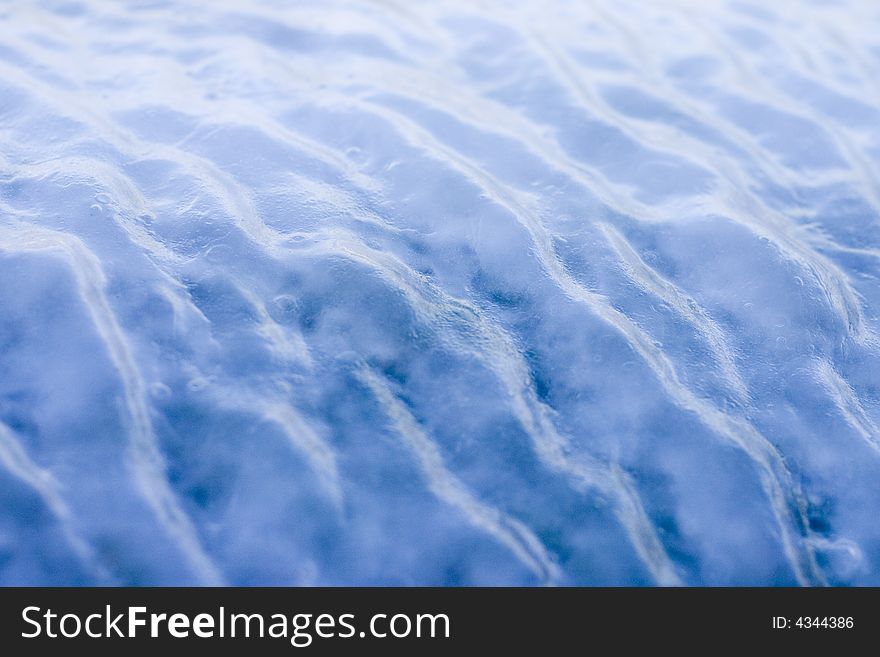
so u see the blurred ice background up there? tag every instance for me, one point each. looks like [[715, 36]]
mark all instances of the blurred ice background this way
[[439, 293]]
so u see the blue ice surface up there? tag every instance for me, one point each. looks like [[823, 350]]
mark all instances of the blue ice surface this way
[[440, 293]]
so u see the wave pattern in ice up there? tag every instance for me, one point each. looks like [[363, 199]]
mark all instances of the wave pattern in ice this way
[[439, 293]]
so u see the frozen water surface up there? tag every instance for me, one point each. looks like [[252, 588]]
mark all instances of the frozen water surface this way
[[439, 293]]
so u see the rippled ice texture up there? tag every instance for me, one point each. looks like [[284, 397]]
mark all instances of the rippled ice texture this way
[[439, 293]]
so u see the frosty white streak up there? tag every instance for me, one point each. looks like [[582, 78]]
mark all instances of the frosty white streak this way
[[147, 462], [447, 487]]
